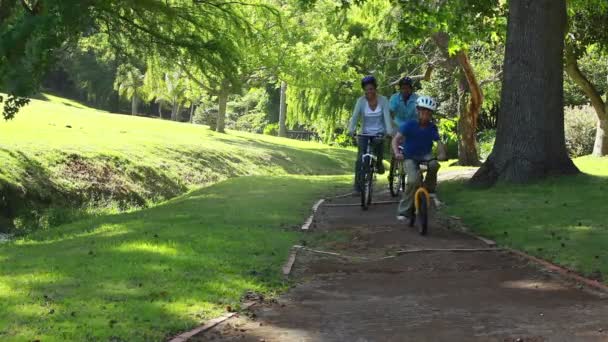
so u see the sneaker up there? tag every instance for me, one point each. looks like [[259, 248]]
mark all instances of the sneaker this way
[[402, 218]]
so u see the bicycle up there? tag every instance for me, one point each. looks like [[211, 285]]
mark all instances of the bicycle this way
[[396, 176], [366, 173], [422, 201]]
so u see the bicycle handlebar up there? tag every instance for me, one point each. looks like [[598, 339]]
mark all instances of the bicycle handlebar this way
[[370, 135]]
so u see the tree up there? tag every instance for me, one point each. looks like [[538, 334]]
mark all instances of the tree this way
[[588, 31], [530, 142], [32, 32], [130, 84], [283, 110], [453, 26]]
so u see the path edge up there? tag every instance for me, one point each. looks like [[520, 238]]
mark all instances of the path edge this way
[[209, 324]]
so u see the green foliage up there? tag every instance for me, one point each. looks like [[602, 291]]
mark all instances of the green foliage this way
[[254, 123], [271, 129], [580, 127], [129, 81], [31, 34], [486, 142], [561, 219]]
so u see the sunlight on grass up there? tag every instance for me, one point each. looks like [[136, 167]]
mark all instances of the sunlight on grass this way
[[146, 275], [560, 219], [84, 162]]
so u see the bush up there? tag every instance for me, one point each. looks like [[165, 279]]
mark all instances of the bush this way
[[343, 140], [205, 116], [271, 129], [254, 123], [580, 125], [486, 142]]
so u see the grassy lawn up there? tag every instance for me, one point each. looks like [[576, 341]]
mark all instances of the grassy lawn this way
[[58, 153], [145, 275], [563, 220]]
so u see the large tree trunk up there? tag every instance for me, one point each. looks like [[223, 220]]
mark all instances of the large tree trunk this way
[[134, 104], [191, 119], [530, 142], [600, 148], [467, 124], [221, 115], [283, 110]]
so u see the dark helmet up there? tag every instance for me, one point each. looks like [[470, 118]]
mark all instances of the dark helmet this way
[[369, 80], [406, 81]]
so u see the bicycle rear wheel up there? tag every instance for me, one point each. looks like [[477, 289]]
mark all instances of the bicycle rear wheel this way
[[423, 214], [393, 178]]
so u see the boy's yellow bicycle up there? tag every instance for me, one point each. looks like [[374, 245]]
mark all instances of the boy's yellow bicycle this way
[[422, 202]]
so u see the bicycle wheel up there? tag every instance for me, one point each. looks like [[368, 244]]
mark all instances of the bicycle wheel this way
[[364, 182], [370, 186], [394, 178], [423, 214]]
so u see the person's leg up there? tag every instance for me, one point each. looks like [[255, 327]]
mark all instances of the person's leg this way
[[430, 181], [406, 205], [361, 148]]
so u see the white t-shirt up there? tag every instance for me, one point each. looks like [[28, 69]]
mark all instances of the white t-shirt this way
[[373, 120]]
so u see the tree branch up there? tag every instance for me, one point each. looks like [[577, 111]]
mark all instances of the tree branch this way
[[575, 73], [493, 79]]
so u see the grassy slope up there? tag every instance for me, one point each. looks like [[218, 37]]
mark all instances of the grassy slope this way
[[145, 275], [562, 219], [134, 161]]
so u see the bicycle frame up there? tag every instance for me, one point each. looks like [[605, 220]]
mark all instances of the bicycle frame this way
[[369, 151]]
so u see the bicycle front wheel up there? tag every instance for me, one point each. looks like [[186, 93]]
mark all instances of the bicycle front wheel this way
[[365, 180], [423, 214]]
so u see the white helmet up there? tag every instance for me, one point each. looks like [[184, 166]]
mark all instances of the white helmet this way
[[426, 102]]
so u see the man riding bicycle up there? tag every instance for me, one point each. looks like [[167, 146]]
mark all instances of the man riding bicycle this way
[[413, 143], [403, 104]]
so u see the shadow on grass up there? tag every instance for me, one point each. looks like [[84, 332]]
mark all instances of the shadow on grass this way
[[560, 219], [149, 274]]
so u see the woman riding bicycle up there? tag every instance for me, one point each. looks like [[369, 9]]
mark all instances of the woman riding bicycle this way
[[372, 110], [415, 138]]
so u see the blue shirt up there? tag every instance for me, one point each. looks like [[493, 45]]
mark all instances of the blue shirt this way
[[418, 142], [404, 110]]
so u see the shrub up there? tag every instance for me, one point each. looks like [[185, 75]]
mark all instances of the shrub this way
[[580, 126], [254, 123], [271, 129], [486, 142]]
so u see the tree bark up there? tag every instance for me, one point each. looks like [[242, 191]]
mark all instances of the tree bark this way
[[191, 119], [600, 148], [530, 142], [221, 115], [467, 124], [134, 104], [283, 110]]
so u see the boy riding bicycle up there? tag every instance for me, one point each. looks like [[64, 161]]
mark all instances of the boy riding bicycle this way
[[416, 138]]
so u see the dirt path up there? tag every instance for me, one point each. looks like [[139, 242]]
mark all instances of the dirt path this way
[[422, 296]]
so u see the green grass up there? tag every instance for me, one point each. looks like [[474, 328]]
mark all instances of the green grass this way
[[561, 219], [145, 275], [58, 154]]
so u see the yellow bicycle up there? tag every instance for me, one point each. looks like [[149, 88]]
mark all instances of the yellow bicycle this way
[[422, 202]]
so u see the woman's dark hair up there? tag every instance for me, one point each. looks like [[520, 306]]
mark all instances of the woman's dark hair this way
[[369, 80]]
